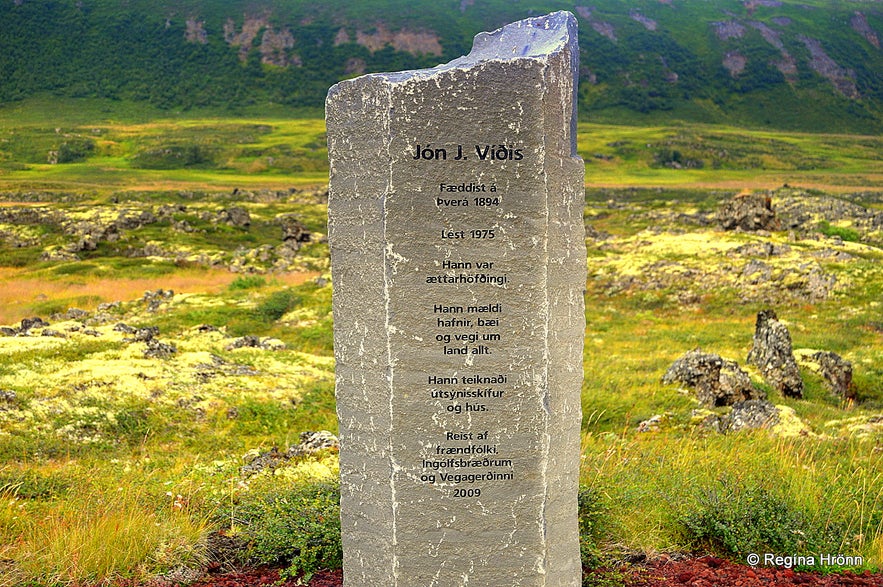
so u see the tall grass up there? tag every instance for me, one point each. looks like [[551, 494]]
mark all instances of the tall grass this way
[[650, 483], [103, 536]]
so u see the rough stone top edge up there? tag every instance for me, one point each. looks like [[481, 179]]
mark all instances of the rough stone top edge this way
[[532, 38]]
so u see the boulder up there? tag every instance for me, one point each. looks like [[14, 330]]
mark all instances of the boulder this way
[[748, 212], [159, 350], [750, 415], [292, 228], [235, 216], [251, 341], [716, 381], [772, 354], [310, 443], [35, 322], [836, 371]]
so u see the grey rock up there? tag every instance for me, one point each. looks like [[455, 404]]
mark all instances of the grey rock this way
[[235, 216], [756, 272], [292, 228], [751, 415], [313, 442], [255, 342], [773, 355], [836, 372], [70, 314], [761, 249], [146, 334], [35, 322], [168, 211], [58, 255], [159, 350], [748, 212], [154, 299], [717, 381]]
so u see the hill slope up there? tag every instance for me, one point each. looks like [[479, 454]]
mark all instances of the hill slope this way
[[808, 65]]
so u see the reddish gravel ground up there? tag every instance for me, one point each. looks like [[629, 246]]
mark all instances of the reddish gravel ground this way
[[662, 572]]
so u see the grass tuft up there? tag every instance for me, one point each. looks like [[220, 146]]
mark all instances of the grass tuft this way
[[106, 536]]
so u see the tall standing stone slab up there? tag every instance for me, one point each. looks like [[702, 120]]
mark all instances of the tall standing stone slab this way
[[459, 265]]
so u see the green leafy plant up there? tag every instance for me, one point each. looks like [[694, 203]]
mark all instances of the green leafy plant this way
[[298, 526], [590, 514], [247, 282], [847, 234], [277, 304], [75, 150], [738, 519]]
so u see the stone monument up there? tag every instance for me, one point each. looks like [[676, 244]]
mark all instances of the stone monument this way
[[459, 267]]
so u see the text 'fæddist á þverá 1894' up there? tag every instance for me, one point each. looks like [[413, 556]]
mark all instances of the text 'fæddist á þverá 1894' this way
[[458, 266]]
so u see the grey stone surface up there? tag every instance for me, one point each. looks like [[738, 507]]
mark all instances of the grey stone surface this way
[[772, 353], [458, 263], [716, 381]]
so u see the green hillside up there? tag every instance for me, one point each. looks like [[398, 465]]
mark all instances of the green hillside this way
[[814, 65]]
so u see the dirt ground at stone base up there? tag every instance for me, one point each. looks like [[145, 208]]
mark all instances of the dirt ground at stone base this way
[[663, 571]]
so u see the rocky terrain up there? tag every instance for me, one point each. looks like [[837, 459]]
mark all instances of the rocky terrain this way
[[769, 251], [191, 231], [728, 336]]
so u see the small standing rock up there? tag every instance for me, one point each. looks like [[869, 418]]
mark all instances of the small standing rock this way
[[836, 372], [772, 354]]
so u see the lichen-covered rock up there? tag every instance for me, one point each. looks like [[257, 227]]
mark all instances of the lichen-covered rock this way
[[716, 381], [836, 372], [750, 415], [235, 216], [28, 323], [292, 228], [255, 342], [310, 443], [749, 212], [159, 350], [772, 354]]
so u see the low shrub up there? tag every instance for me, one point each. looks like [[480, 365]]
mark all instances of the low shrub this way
[[277, 304], [298, 526], [847, 234], [174, 157], [738, 520], [590, 515], [247, 282]]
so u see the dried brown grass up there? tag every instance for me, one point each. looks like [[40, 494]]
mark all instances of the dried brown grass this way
[[19, 294]]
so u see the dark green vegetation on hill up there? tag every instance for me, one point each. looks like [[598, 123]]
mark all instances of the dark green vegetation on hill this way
[[811, 65]]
